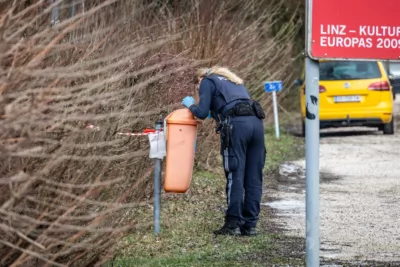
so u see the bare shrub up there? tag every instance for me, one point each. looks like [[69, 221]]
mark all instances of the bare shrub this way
[[68, 193]]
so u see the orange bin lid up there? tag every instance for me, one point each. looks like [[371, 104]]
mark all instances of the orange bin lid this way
[[181, 116]]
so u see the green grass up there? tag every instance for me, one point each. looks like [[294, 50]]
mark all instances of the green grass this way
[[287, 148], [187, 222]]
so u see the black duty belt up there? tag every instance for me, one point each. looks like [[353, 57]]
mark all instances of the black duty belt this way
[[241, 109]]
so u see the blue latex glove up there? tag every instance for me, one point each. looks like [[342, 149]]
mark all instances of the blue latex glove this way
[[209, 115], [188, 101]]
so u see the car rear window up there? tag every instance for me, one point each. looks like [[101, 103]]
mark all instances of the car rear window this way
[[348, 70], [394, 68]]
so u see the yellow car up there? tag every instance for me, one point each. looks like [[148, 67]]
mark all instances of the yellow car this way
[[352, 93]]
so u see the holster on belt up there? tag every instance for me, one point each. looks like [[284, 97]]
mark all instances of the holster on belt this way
[[226, 135]]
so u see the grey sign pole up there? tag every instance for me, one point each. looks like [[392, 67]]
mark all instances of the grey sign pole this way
[[157, 186], [312, 148], [312, 163]]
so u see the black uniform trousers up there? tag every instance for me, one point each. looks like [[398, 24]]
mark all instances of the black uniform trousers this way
[[243, 163]]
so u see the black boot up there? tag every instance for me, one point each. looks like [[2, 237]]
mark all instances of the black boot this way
[[248, 231], [226, 230]]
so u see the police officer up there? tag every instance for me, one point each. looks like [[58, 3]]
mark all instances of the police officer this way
[[239, 120]]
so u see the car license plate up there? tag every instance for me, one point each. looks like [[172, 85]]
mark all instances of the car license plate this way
[[347, 98]]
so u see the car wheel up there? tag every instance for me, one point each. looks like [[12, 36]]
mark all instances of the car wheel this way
[[388, 128]]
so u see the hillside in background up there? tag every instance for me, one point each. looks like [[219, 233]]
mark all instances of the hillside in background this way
[[68, 193]]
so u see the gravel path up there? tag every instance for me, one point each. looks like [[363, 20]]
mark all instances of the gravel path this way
[[359, 195]]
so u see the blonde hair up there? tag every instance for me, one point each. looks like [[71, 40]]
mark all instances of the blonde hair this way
[[225, 72]]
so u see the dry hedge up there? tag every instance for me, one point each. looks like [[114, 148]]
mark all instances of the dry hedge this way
[[68, 193]]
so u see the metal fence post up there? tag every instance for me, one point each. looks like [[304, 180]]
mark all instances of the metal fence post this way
[[55, 17], [157, 186], [72, 9]]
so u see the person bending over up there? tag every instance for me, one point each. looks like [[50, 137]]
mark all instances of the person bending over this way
[[239, 119]]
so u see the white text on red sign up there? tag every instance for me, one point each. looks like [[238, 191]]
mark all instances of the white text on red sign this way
[[382, 37]]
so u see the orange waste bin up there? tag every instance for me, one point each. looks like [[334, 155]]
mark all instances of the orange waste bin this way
[[181, 134]]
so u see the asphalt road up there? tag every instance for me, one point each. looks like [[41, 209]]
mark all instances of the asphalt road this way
[[359, 195]]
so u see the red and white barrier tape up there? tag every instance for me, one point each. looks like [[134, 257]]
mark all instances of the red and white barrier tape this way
[[145, 131], [133, 134]]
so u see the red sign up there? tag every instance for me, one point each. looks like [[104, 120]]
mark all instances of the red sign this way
[[354, 29]]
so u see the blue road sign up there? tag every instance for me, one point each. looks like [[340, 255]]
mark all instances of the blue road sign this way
[[274, 86]]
